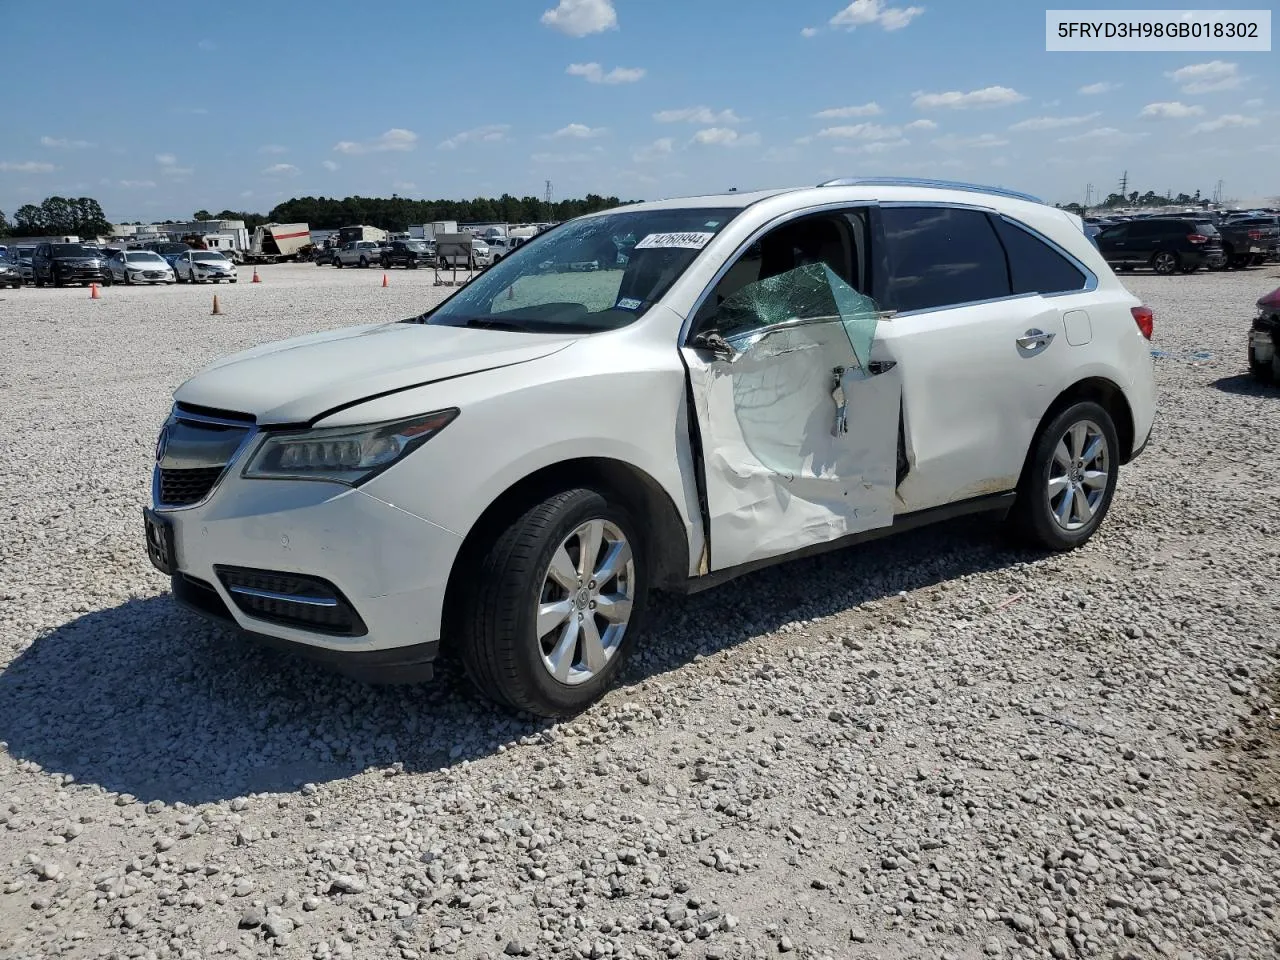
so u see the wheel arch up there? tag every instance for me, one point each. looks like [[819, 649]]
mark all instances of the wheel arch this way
[[1108, 395], [667, 541]]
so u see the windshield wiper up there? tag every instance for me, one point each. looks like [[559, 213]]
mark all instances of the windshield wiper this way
[[493, 323]]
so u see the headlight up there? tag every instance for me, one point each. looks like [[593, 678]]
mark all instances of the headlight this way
[[348, 455]]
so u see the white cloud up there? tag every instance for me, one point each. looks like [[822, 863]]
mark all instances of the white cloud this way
[[871, 109], [169, 167], [1255, 102], [137, 184], [725, 137], [1053, 123], [490, 133], [397, 138], [875, 146], [702, 115], [27, 166], [273, 148], [864, 13], [956, 100], [578, 18], [1224, 122], [166, 159], [329, 165], [809, 32], [281, 170], [1169, 110], [1207, 77], [1097, 133], [655, 151], [63, 143], [860, 131], [404, 185], [921, 124], [578, 131], [594, 73], [561, 157], [981, 142], [1102, 86]]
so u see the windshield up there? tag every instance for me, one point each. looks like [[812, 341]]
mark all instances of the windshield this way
[[70, 250], [172, 248], [209, 257], [143, 257], [592, 274], [415, 245]]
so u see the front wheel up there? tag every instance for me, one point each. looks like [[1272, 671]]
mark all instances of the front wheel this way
[[555, 604], [108, 278], [338, 264], [364, 263], [1265, 371], [1069, 479], [1164, 262]]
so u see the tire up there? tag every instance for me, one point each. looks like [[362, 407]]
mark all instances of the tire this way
[[337, 263], [1034, 518], [1165, 263], [500, 644], [233, 279], [37, 281], [57, 282], [1264, 371], [364, 264], [108, 278]]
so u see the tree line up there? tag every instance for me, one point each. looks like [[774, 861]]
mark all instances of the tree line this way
[[73, 216], [397, 213]]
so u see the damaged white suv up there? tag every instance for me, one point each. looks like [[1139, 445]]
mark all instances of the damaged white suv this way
[[658, 397]]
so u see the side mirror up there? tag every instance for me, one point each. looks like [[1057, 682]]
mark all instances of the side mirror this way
[[715, 344]]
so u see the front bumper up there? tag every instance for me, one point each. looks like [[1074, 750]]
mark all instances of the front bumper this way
[[215, 275], [391, 566]]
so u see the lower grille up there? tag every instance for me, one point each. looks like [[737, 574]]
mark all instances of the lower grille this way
[[201, 596], [181, 488], [291, 599]]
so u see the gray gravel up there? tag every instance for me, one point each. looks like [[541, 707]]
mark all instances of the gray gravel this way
[[932, 747]]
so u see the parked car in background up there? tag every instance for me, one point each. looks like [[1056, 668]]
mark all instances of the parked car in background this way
[[323, 255], [1165, 244], [1244, 244], [58, 264], [10, 272], [197, 266], [499, 248], [169, 249], [481, 252], [510, 473], [1264, 233], [1264, 339], [22, 257], [407, 253], [357, 253], [137, 266]]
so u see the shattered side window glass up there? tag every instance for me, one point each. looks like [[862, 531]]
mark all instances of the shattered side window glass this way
[[813, 292]]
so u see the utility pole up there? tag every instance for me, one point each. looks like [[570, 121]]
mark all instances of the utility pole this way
[[1088, 195], [1124, 185], [547, 196]]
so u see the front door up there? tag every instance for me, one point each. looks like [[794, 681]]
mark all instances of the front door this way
[[798, 427]]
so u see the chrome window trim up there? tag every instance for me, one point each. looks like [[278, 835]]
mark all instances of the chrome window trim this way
[[926, 183], [1090, 278], [686, 327]]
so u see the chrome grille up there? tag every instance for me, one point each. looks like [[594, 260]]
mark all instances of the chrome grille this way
[[181, 488], [193, 453]]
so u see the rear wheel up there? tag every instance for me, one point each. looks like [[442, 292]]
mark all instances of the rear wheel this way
[[554, 605], [364, 263], [337, 263], [108, 278], [1164, 262], [1069, 479]]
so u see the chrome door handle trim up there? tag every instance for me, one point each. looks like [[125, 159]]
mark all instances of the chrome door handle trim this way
[[1034, 339]]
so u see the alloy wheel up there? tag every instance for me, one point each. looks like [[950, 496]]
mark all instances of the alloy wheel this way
[[1078, 475], [585, 602], [1165, 263]]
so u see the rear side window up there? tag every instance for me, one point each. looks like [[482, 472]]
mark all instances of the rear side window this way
[[942, 256], [1034, 266]]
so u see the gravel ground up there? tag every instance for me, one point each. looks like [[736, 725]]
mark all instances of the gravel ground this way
[[932, 747]]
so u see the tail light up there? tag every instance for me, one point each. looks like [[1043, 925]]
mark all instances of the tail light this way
[[1255, 234], [1145, 319], [1197, 238]]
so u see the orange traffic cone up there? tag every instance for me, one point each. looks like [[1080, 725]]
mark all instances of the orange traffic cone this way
[[255, 276], [217, 310], [93, 292], [384, 279]]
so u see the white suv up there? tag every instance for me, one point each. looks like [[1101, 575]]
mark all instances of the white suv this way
[[743, 379]]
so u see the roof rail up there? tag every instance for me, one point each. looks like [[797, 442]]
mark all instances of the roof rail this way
[[922, 182]]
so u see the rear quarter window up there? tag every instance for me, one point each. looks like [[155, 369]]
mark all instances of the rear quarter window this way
[[1034, 266], [941, 257]]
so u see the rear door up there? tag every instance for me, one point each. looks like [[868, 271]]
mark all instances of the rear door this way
[[1114, 244], [980, 341]]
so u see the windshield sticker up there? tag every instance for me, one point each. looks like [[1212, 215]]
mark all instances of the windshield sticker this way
[[626, 303], [675, 241]]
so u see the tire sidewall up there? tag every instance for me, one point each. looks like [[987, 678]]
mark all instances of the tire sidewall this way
[[1036, 479], [549, 694]]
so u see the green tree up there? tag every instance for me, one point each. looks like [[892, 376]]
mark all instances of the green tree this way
[[5, 229], [203, 215], [29, 220]]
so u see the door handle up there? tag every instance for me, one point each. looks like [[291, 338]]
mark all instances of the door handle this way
[[877, 367], [1035, 339]]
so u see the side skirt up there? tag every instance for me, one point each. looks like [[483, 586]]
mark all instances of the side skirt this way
[[996, 503]]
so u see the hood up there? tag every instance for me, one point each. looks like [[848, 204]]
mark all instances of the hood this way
[[297, 380], [1271, 301], [77, 259]]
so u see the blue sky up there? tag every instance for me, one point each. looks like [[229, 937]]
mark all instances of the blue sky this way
[[160, 110]]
